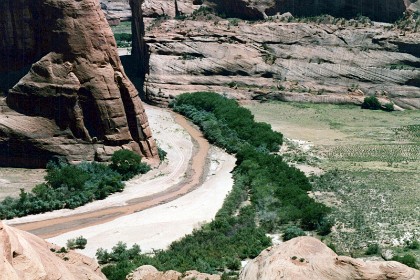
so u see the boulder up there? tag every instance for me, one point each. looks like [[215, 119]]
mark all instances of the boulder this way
[[76, 98], [148, 272], [24, 256], [305, 257]]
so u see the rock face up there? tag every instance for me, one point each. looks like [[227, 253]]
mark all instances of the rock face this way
[[308, 258], [24, 256], [258, 9], [331, 63], [148, 272], [76, 101]]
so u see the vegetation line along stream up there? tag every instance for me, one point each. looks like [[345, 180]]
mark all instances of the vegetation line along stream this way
[[56, 226]]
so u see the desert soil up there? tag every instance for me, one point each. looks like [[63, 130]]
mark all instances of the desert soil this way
[[176, 195]]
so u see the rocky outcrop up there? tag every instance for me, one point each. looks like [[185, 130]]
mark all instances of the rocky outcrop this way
[[378, 10], [148, 272], [76, 101], [24, 256], [308, 258], [314, 62]]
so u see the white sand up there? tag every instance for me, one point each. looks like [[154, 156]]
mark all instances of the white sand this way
[[157, 227], [172, 138]]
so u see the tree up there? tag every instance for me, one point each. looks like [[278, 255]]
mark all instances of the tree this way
[[371, 103]]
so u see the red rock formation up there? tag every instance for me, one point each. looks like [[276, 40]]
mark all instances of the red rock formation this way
[[24, 256], [305, 258], [76, 101]]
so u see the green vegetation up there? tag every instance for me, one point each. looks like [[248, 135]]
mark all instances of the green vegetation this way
[[77, 243], [371, 103], [292, 232], [71, 186], [128, 164], [373, 249], [122, 34], [407, 259], [277, 192]]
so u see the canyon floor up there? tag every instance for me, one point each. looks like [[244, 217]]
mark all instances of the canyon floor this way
[[154, 209], [370, 161]]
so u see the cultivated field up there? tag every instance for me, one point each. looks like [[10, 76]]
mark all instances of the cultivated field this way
[[371, 161]]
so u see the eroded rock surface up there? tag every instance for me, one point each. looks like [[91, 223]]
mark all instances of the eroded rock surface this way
[[305, 258], [24, 256], [311, 62], [76, 101], [148, 272]]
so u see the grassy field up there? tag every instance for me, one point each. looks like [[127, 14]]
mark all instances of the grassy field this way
[[371, 161], [123, 27]]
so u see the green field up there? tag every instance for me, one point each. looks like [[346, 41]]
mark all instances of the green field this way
[[371, 161]]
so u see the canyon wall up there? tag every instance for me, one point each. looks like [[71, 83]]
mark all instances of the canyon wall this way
[[76, 100], [275, 59]]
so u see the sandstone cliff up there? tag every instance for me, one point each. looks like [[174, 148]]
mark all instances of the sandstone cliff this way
[[24, 256], [315, 62], [76, 100], [305, 258]]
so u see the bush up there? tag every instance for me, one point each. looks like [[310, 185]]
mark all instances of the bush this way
[[162, 154], [78, 243], [389, 107], [128, 164], [292, 232], [372, 249], [407, 259], [413, 245], [371, 103]]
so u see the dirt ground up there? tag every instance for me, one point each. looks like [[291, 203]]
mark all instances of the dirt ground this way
[[176, 195]]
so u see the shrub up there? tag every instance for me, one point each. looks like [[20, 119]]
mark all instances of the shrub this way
[[389, 107], [128, 164], [162, 154], [78, 243], [292, 232], [372, 249], [372, 103], [413, 245], [407, 259]]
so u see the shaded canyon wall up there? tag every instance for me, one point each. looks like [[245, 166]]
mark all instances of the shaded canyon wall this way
[[76, 100]]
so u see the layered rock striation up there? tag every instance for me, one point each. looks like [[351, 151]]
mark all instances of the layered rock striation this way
[[308, 258], [314, 62], [24, 256], [76, 100]]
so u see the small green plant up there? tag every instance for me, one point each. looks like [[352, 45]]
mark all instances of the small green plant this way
[[371, 103], [373, 249], [77, 243], [389, 107], [162, 154], [62, 250], [292, 232], [412, 245], [128, 164], [407, 259], [294, 258]]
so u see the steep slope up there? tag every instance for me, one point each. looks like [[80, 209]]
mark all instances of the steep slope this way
[[24, 256], [308, 258], [76, 100]]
